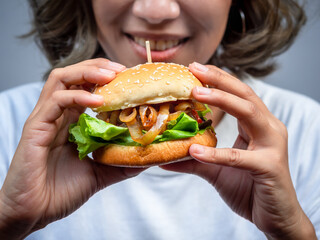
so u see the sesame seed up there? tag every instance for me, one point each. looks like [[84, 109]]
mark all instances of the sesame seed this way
[[116, 84], [160, 94], [168, 83], [147, 81], [130, 91]]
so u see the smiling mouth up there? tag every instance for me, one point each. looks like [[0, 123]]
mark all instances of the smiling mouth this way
[[157, 45]]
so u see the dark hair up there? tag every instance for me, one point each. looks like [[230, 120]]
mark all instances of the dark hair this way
[[66, 32]]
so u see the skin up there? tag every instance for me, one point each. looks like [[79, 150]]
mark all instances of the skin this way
[[204, 23], [260, 189]]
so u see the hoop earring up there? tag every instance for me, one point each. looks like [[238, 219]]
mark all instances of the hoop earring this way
[[243, 21]]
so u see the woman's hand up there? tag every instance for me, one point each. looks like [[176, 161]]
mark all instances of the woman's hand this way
[[46, 180], [252, 177]]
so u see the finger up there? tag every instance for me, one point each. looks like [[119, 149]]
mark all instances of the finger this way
[[72, 76], [78, 75], [217, 78], [208, 172], [230, 157], [62, 99], [188, 166], [103, 63], [245, 111]]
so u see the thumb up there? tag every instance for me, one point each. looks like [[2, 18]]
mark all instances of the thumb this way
[[208, 172]]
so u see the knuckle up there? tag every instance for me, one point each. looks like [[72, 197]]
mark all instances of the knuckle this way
[[212, 155], [277, 162], [234, 157], [55, 73], [101, 61], [247, 91], [283, 129], [56, 96], [86, 72], [252, 110], [280, 128]]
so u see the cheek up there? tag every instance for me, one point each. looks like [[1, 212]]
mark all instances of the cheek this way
[[212, 19], [108, 11]]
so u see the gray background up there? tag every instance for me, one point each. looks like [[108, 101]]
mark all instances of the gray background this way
[[22, 62]]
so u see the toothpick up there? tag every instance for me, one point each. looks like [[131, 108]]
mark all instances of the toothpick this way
[[148, 52]]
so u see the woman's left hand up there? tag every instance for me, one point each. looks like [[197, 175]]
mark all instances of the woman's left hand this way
[[253, 177]]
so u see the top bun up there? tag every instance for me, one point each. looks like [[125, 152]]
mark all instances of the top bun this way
[[149, 83]]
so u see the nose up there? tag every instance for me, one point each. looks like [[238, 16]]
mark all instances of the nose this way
[[156, 11]]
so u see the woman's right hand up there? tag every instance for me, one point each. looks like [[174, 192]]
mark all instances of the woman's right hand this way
[[46, 180]]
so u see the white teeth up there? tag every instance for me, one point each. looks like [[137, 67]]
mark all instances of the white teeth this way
[[140, 41], [159, 45]]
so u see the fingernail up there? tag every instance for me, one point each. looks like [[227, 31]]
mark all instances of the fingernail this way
[[116, 66], [200, 67], [197, 149], [203, 90], [107, 72], [97, 97]]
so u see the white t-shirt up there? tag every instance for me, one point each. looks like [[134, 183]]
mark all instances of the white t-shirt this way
[[166, 205]]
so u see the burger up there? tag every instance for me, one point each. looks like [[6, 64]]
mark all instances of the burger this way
[[148, 118]]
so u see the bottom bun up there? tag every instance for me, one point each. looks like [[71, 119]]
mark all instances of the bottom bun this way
[[153, 154]]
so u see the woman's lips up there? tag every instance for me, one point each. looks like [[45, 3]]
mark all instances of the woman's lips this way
[[161, 50]]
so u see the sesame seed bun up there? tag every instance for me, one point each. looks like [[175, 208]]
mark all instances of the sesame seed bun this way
[[149, 83], [153, 154]]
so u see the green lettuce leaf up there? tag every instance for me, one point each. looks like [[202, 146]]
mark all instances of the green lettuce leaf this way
[[203, 113], [90, 133]]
